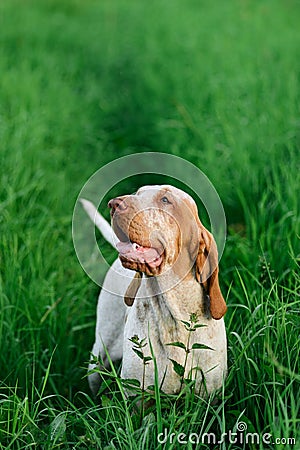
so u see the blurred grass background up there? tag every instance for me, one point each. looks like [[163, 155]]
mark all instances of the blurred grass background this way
[[85, 82]]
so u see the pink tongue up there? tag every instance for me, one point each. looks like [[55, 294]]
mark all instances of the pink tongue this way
[[137, 253]]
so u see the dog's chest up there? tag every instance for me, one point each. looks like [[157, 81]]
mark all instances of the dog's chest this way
[[172, 343]]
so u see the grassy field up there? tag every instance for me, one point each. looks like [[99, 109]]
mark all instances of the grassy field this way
[[84, 82]]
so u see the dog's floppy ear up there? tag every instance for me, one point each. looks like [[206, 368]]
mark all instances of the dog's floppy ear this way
[[207, 272], [132, 289]]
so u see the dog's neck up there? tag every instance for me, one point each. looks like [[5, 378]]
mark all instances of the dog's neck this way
[[180, 297]]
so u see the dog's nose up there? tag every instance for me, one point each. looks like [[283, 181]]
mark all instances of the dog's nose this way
[[117, 204]]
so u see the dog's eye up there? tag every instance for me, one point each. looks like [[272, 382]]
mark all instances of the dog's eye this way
[[165, 200]]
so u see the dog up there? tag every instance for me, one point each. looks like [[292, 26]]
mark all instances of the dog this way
[[167, 270]]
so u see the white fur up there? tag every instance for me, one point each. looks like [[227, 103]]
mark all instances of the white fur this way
[[100, 222]]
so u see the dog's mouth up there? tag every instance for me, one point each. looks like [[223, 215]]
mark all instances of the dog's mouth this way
[[134, 252]]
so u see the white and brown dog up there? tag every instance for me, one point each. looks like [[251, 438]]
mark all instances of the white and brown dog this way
[[166, 270]]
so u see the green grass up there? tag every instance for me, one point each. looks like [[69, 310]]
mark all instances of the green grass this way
[[83, 83]]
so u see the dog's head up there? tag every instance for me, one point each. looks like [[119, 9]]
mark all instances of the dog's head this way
[[159, 230]]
